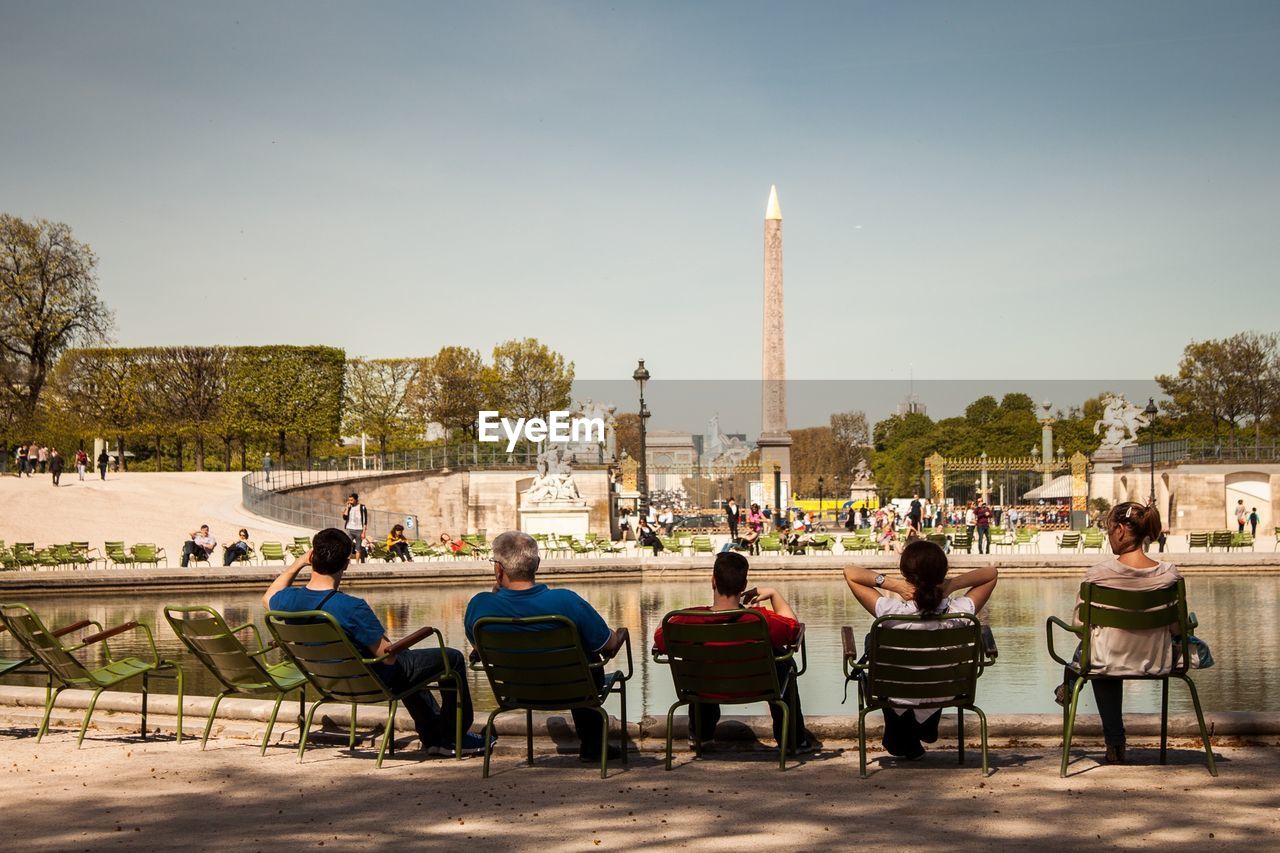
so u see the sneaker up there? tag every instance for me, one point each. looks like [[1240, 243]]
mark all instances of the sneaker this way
[[1060, 695], [472, 744], [614, 754]]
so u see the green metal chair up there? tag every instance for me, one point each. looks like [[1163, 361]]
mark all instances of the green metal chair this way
[[538, 663], [147, 554], [728, 661], [702, 545], [117, 555], [1126, 610], [1221, 539], [1092, 539], [67, 671], [29, 665], [672, 545], [319, 648], [299, 546], [932, 667], [770, 545], [1069, 542], [272, 551], [1197, 540], [239, 669], [962, 541], [1240, 541], [24, 555]]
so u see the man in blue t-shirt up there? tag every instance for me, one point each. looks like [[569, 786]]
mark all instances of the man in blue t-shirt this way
[[329, 557], [515, 594]]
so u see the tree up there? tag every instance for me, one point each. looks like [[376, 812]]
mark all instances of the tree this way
[[528, 379], [450, 390], [48, 303], [101, 391], [1209, 387], [186, 386], [626, 432], [278, 391], [375, 399]]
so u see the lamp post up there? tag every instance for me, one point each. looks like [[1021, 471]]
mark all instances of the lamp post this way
[[1151, 411], [820, 496], [777, 494], [641, 376]]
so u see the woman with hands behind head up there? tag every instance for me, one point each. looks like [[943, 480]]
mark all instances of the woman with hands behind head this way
[[923, 588]]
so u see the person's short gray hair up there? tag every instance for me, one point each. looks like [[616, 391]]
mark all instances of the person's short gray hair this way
[[518, 554]]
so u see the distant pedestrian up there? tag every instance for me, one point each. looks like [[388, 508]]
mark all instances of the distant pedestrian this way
[[43, 459], [355, 520], [33, 458], [916, 513], [266, 466], [82, 462], [103, 461], [1253, 522], [55, 464], [20, 457], [731, 515], [1241, 515], [982, 521]]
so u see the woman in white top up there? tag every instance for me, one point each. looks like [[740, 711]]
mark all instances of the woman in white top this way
[[1130, 527], [923, 588]]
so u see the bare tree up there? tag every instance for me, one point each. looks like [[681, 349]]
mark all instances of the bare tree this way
[[48, 303]]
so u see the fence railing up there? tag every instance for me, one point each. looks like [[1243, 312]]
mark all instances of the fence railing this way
[[1184, 450]]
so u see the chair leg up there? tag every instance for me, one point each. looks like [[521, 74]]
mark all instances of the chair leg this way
[[862, 742], [695, 726], [457, 717], [389, 736], [528, 734], [50, 698], [960, 731], [178, 675], [786, 723], [145, 693], [604, 742], [306, 727], [622, 692], [351, 735], [671, 713], [213, 712], [271, 723], [1204, 731], [93, 702], [1070, 726], [982, 732], [488, 743], [1164, 719]]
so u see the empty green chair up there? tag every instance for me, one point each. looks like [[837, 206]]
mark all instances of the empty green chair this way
[[770, 545], [300, 545], [538, 663], [1240, 541], [117, 555], [1197, 540], [272, 551], [933, 668], [1221, 539], [1092, 539], [962, 541], [240, 669], [147, 554], [67, 671], [24, 555], [672, 545], [29, 666], [727, 662], [1027, 538], [326, 656], [1129, 610], [702, 545], [1069, 542]]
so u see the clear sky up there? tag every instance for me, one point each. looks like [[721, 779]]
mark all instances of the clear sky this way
[[1013, 190]]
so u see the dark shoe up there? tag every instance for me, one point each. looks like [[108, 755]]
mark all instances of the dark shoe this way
[[472, 744], [914, 756], [614, 754], [1115, 754], [1060, 695]]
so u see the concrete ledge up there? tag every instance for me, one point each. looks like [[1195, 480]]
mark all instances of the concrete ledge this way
[[626, 566], [120, 712]]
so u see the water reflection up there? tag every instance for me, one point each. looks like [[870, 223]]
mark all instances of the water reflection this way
[[1236, 616]]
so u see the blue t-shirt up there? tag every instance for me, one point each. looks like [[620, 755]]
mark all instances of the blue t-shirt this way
[[540, 600], [353, 614]]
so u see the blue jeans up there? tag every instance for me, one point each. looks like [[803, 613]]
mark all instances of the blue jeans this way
[[434, 723]]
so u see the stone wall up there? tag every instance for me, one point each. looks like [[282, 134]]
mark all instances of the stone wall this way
[[1203, 495]]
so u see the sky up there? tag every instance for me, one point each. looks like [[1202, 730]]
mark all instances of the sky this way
[[1017, 190]]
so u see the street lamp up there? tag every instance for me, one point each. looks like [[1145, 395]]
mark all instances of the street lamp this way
[[641, 376], [777, 494], [1151, 411]]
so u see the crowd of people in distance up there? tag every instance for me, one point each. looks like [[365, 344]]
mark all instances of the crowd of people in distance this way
[[35, 458], [923, 588]]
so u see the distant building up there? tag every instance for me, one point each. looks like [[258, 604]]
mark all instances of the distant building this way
[[911, 405], [670, 457]]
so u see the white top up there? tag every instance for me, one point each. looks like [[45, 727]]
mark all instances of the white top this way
[[891, 606], [355, 520], [1115, 651]]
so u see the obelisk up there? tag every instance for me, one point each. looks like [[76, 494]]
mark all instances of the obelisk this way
[[774, 441]]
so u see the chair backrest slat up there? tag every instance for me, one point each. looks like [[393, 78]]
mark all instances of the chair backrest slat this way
[[206, 634], [536, 662], [724, 656], [323, 652], [929, 665], [30, 632]]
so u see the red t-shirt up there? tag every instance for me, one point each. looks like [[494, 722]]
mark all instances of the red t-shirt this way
[[782, 630]]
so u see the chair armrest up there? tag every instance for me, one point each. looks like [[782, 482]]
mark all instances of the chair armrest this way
[[1192, 621], [848, 644], [256, 635], [1076, 630], [621, 641], [109, 633], [413, 639], [267, 648], [72, 628]]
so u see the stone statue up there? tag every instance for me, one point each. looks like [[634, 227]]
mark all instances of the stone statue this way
[[554, 482], [596, 451], [1120, 422], [721, 451], [862, 477]]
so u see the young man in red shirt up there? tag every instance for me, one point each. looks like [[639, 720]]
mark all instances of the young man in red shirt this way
[[728, 582]]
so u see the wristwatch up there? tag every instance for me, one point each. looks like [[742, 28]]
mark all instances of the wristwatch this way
[[879, 580]]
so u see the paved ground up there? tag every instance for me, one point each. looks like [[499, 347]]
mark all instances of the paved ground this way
[[118, 793]]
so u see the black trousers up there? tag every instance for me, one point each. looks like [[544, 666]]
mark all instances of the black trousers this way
[[401, 550], [433, 722], [703, 719], [586, 722], [905, 736], [1108, 694], [191, 549]]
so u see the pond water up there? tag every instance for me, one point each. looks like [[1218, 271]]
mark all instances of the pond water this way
[[1237, 618]]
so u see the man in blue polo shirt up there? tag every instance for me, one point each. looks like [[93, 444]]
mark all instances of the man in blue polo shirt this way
[[516, 594], [329, 557]]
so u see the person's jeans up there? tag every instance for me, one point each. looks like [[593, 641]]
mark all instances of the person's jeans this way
[[905, 736], [191, 549], [233, 553], [401, 550], [984, 540], [434, 723], [1108, 694], [703, 720]]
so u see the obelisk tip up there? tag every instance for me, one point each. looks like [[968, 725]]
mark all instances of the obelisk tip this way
[[774, 211]]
